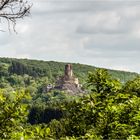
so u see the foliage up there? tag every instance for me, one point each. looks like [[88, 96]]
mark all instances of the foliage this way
[[33, 132], [110, 111], [13, 112], [133, 86], [114, 117], [102, 83], [53, 69]]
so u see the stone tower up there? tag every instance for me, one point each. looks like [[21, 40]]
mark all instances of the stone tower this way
[[68, 82], [68, 71]]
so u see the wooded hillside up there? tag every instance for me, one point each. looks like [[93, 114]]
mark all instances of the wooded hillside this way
[[51, 69]]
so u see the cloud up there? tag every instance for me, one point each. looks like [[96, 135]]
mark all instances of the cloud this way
[[114, 21], [103, 22], [101, 33]]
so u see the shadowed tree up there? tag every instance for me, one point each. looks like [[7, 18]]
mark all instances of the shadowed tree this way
[[11, 10]]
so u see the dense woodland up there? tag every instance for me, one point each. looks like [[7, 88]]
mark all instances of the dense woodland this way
[[110, 108]]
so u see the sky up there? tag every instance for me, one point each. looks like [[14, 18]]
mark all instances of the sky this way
[[102, 33]]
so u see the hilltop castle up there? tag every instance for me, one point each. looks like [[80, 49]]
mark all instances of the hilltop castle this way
[[68, 81]]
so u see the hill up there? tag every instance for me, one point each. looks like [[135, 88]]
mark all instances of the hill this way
[[52, 69]]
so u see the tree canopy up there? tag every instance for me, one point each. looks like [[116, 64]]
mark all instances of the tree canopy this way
[[109, 110]]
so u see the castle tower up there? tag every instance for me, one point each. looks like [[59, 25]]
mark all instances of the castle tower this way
[[68, 82], [68, 71]]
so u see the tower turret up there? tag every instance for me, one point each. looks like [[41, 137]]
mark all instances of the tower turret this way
[[68, 71]]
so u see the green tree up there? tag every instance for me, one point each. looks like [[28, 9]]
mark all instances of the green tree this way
[[133, 86], [40, 131], [13, 112], [102, 83], [108, 114]]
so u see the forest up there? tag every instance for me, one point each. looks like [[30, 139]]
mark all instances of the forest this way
[[110, 108]]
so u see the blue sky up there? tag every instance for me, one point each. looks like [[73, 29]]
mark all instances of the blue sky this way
[[103, 33]]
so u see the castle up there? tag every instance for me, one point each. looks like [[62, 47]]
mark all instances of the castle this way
[[68, 81]]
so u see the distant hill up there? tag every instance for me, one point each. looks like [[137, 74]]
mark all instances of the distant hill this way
[[52, 69]]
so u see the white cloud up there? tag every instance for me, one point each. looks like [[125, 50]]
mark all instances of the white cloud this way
[[100, 33]]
